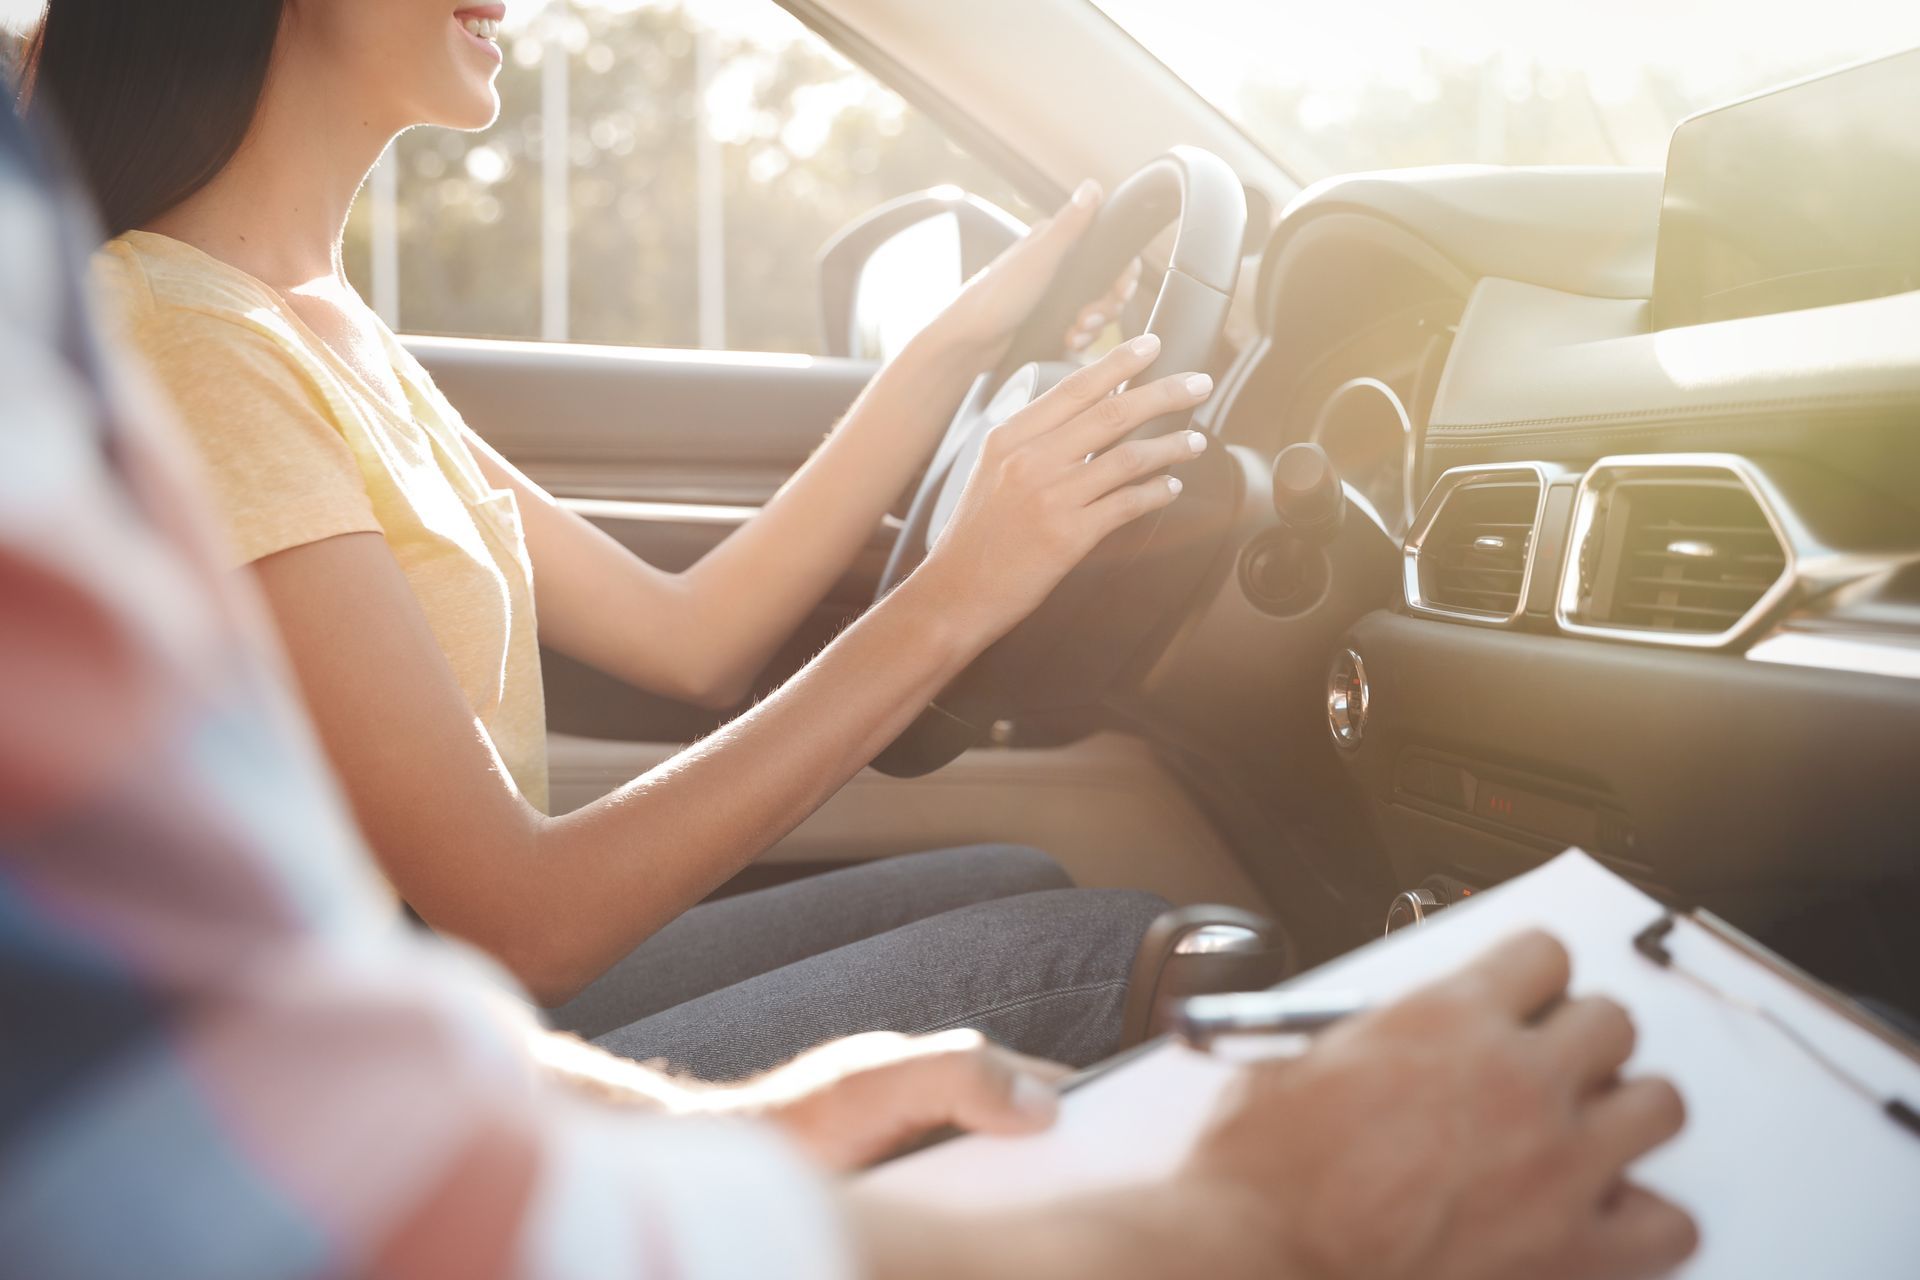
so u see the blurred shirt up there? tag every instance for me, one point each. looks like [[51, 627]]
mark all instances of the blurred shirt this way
[[221, 1052]]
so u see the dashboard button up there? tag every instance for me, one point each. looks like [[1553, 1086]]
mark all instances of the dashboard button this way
[[1411, 908], [1347, 700]]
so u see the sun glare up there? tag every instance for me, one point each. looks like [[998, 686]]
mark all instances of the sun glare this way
[[1330, 88]]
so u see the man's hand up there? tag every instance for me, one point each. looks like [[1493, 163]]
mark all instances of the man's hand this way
[[1477, 1129], [854, 1100], [848, 1102]]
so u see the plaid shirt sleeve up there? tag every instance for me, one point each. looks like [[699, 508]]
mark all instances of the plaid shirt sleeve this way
[[221, 1052]]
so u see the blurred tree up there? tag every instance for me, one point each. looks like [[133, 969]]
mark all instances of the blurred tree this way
[[808, 143]]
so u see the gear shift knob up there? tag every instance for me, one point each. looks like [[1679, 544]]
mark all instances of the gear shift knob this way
[[1201, 950], [1307, 494]]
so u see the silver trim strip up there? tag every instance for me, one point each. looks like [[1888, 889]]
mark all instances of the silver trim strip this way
[[1858, 654], [1587, 504], [1450, 483], [658, 512], [681, 512]]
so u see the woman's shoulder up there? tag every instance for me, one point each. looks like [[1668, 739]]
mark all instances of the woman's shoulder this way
[[168, 294]]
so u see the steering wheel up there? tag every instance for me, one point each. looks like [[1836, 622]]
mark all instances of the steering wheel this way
[[1069, 651]]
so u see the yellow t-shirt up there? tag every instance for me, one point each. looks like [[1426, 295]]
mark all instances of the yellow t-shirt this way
[[298, 448]]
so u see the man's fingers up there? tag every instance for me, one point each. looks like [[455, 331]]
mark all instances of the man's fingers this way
[[1082, 389], [1051, 1072], [1589, 1041], [1642, 1235], [990, 1090], [1625, 1123], [1522, 976], [1132, 459]]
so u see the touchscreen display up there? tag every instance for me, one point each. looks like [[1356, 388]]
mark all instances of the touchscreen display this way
[[1802, 197]]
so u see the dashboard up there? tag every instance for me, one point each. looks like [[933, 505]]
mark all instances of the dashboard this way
[[1651, 591]]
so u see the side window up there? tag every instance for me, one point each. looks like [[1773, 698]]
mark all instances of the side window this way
[[660, 175], [12, 44]]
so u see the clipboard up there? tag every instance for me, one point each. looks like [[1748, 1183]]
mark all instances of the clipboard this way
[[1788, 1170], [1651, 942], [1078, 1080]]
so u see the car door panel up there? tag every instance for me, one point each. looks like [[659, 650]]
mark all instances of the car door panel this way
[[669, 452], [700, 427], [1104, 807]]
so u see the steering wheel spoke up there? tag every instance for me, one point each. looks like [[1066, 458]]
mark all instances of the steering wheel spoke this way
[[1070, 650]]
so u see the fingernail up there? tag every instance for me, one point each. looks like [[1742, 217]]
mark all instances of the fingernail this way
[[1197, 441], [1034, 1097], [1087, 194], [1199, 385], [1147, 344], [1174, 486], [1096, 322]]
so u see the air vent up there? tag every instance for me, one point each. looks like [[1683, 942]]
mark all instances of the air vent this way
[[1471, 554], [1675, 552]]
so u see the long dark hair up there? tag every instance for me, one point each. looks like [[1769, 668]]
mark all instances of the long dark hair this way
[[154, 98]]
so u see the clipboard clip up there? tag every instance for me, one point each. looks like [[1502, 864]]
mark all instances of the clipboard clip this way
[[1651, 942]]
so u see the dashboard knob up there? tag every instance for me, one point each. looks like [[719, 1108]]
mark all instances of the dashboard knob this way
[[1411, 908], [1306, 492], [1348, 699]]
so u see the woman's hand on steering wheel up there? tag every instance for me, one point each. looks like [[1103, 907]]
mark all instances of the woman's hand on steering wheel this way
[[980, 323], [1054, 480]]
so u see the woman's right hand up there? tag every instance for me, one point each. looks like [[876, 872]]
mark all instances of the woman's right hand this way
[[1055, 479]]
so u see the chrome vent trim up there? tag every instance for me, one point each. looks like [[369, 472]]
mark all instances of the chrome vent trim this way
[[1499, 572], [1703, 576]]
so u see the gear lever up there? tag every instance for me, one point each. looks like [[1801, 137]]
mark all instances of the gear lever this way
[[1200, 950]]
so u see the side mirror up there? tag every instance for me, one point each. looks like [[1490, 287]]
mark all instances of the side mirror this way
[[883, 277]]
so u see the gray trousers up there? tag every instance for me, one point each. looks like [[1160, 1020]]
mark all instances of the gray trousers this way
[[993, 937]]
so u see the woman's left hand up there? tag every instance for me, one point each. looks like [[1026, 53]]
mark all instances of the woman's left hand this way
[[981, 322], [852, 1101]]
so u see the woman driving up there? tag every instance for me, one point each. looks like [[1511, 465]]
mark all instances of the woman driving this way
[[413, 573]]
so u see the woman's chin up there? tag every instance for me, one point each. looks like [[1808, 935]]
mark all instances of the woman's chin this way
[[471, 113], [483, 117]]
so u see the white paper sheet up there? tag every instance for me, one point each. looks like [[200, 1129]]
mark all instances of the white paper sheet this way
[[1789, 1173]]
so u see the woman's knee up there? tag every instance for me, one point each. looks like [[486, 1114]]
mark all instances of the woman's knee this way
[[1123, 915], [1017, 868], [992, 871], [1097, 932]]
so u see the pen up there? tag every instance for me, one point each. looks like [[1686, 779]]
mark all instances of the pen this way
[[1243, 1027], [1261, 1024]]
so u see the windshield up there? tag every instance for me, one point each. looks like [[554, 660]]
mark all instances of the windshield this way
[[1335, 88]]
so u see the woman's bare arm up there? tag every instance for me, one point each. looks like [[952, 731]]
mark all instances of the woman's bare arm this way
[[561, 899], [703, 635]]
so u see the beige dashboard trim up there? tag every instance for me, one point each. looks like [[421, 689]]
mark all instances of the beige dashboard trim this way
[[1533, 361], [1859, 655]]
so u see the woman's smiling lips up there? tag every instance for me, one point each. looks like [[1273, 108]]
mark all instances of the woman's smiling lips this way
[[481, 24]]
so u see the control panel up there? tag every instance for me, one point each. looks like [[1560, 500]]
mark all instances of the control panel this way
[[1511, 803]]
